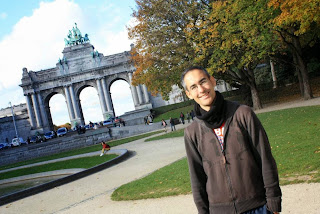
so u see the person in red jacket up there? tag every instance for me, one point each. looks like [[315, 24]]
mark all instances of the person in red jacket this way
[[105, 148], [231, 166]]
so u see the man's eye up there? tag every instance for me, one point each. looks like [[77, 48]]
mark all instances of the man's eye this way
[[193, 88], [203, 82]]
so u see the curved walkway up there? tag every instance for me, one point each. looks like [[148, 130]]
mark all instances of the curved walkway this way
[[92, 193], [112, 151], [60, 180]]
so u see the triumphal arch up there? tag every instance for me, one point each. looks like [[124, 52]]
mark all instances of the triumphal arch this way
[[81, 66]]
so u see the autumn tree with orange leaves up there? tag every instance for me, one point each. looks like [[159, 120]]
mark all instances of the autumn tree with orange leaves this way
[[161, 50], [227, 37], [298, 25], [233, 39]]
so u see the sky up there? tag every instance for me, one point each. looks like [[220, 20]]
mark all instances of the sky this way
[[32, 35]]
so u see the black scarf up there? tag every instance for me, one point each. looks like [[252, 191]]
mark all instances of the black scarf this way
[[215, 117]]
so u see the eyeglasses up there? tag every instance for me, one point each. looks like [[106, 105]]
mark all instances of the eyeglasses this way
[[202, 83]]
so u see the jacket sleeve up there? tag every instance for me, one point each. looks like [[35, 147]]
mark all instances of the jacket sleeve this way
[[264, 156], [197, 175]]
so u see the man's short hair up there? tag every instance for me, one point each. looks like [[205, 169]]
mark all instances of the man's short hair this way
[[196, 67]]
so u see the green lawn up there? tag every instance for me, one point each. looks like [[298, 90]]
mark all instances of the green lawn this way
[[84, 150], [169, 180], [294, 138], [170, 134], [85, 162], [174, 114]]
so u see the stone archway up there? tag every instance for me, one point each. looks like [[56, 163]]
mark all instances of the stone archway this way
[[83, 102], [121, 96], [47, 108], [81, 66]]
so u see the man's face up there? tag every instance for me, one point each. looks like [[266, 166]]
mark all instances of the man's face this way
[[200, 88]]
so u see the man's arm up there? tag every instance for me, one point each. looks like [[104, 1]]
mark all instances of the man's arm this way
[[269, 168], [198, 176]]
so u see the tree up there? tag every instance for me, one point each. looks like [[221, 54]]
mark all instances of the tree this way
[[162, 52], [233, 40], [297, 23]]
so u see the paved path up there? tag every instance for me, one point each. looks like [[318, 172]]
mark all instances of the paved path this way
[[92, 193], [70, 197]]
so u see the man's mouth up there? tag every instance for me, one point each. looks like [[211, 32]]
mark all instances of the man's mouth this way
[[204, 96]]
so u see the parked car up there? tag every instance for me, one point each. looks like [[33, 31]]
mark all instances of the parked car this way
[[62, 131], [50, 135], [96, 125], [81, 129], [34, 139], [4, 145], [23, 142], [37, 139], [108, 122], [17, 141]]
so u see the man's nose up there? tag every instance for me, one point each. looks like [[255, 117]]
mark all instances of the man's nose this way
[[201, 88]]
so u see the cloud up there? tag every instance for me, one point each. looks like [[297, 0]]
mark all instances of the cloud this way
[[3, 15], [36, 42], [111, 42], [13, 95]]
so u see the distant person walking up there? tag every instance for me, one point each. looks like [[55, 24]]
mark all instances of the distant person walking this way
[[188, 117], [192, 114], [182, 117], [105, 148], [164, 124], [173, 127]]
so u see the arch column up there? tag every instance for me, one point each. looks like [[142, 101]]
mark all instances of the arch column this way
[[139, 94], [75, 105], [106, 95], [102, 99], [146, 95], [69, 104], [30, 111], [133, 91], [44, 116], [36, 109]]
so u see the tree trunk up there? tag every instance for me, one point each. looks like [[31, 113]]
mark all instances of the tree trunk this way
[[307, 93], [274, 77], [299, 75], [255, 98], [246, 95]]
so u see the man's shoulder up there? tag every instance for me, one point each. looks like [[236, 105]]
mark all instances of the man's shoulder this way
[[193, 127], [238, 108]]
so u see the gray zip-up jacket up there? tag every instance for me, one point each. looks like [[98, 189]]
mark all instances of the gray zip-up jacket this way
[[239, 178]]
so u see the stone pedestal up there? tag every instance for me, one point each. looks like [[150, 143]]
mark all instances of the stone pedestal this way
[[135, 117], [144, 106]]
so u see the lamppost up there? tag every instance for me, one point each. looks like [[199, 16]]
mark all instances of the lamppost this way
[[14, 122]]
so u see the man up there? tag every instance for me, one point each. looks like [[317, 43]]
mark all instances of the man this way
[[230, 162], [173, 127]]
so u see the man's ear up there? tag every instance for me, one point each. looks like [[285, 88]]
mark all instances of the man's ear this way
[[213, 81], [189, 94]]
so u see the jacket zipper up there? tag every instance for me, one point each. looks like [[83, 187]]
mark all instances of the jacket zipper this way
[[229, 180], [225, 165]]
